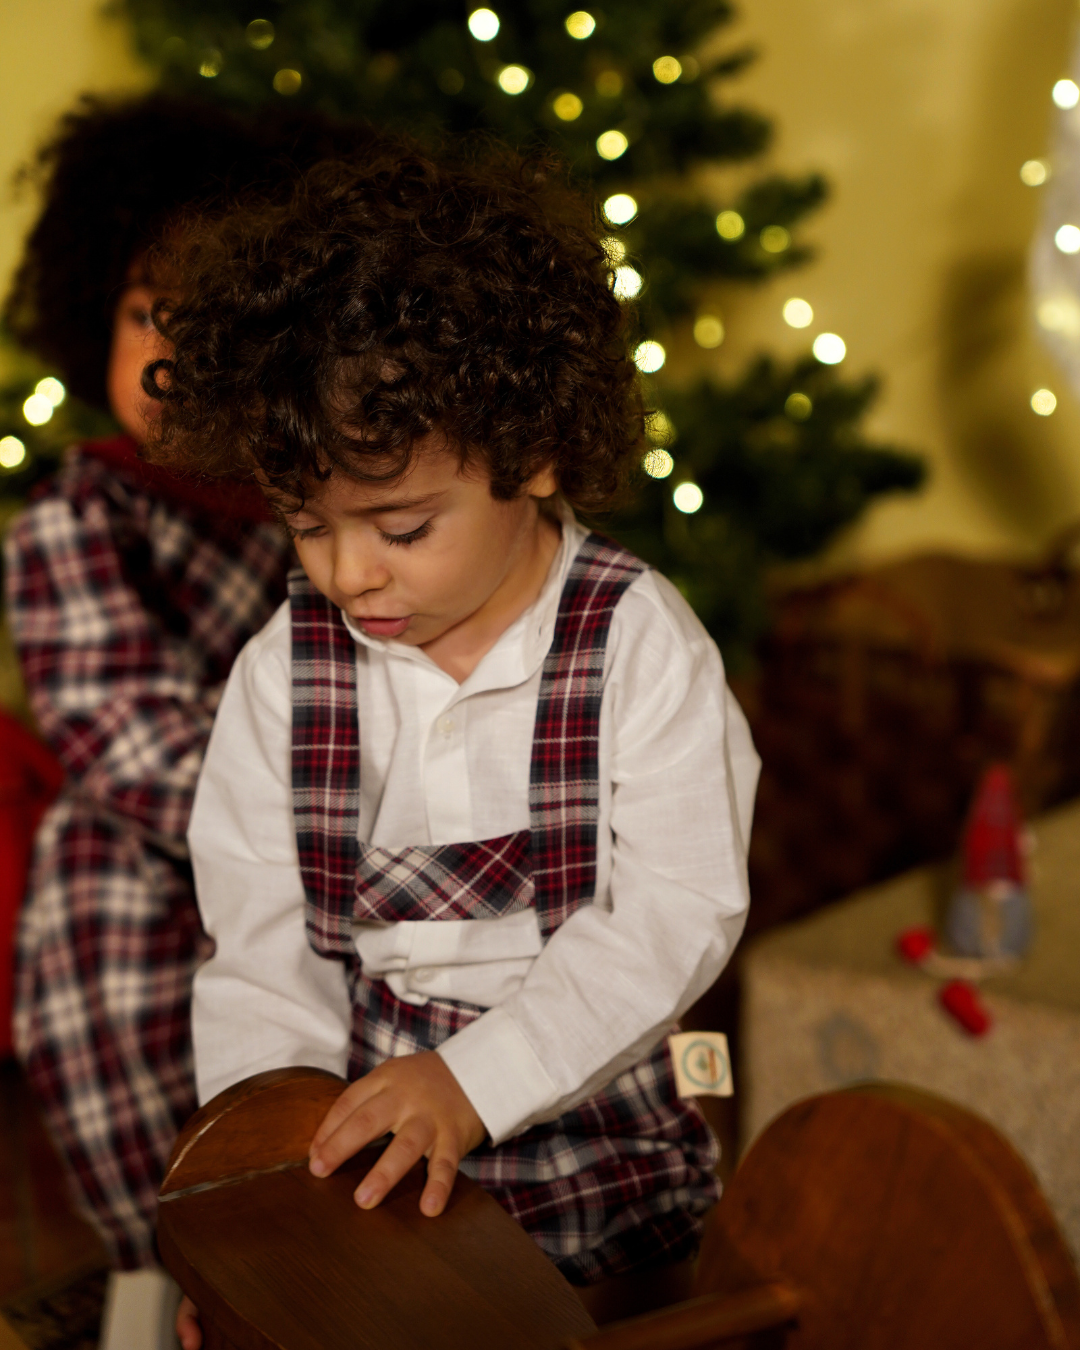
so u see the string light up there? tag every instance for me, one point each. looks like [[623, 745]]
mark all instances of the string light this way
[[620, 209], [659, 428], [774, 238], [649, 357], [708, 331], [259, 34], [1034, 172], [730, 225], [658, 463], [1043, 402], [614, 249], [1060, 314], [580, 24], [1066, 93], [568, 107], [627, 283], [609, 84], [51, 388], [514, 79], [829, 348], [211, 64], [288, 82], [797, 313], [1068, 239], [484, 24], [611, 144], [12, 452], [688, 498], [798, 406], [37, 409], [666, 69]]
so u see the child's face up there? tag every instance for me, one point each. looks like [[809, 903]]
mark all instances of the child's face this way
[[135, 343], [413, 559]]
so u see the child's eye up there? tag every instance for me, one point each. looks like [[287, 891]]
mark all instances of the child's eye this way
[[413, 536]]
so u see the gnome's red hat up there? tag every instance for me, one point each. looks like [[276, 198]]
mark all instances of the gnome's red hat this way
[[992, 849]]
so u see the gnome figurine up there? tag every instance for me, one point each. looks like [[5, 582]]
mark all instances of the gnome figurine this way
[[990, 915]]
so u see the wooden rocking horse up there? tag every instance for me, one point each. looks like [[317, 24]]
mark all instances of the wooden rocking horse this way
[[877, 1218]]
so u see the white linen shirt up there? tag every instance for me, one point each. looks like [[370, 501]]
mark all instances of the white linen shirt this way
[[443, 762]]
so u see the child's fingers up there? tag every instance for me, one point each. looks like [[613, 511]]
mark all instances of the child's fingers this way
[[442, 1172], [353, 1096], [188, 1330], [360, 1127], [403, 1152]]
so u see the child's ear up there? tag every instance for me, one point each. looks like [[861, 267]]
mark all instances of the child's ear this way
[[543, 483]]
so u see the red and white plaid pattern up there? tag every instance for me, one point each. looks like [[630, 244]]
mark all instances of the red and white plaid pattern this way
[[621, 1181], [127, 611]]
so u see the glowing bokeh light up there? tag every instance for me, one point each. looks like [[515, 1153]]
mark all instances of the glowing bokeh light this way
[[1059, 314], [829, 348], [659, 428], [611, 144], [288, 82], [1043, 402], [37, 410], [730, 225], [211, 64], [451, 81], [580, 24], [51, 388], [798, 406], [1034, 172], [514, 79], [1066, 93], [798, 313], [708, 331], [620, 209], [649, 357], [568, 107], [614, 249], [688, 498], [627, 283], [484, 24], [666, 69], [12, 452], [1068, 239], [658, 463], [774, 239], [259, 34]]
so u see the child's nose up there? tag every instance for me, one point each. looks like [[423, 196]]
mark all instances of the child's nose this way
[[356, 571]]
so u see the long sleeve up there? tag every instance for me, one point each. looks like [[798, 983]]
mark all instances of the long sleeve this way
[[126, 616], [264, 1000], [614, 978]]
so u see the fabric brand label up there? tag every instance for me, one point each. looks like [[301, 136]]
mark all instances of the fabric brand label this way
[[702, 1064]]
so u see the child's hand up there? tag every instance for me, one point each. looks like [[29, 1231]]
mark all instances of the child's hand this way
[[188, 1330], [418, 1100]]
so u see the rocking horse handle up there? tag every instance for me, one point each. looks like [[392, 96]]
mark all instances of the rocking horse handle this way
[[700, 1323]]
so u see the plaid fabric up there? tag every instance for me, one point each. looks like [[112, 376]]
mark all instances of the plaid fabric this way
[[621, 1181], [127, 611]]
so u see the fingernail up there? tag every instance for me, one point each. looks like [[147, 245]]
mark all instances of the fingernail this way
[[318, 1167], [429, 1205]]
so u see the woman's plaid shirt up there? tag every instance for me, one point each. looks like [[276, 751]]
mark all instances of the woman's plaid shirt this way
[[127, 610]]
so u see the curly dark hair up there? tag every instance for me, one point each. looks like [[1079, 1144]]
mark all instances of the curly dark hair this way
[[113, 176], [462, 291]]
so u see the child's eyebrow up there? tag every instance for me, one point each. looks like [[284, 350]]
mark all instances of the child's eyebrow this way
[[395, 504]]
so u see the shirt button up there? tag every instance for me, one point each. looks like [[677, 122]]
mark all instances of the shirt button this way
[[423, 975], [446, 725]]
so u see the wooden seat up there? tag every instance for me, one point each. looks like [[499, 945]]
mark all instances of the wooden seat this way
[[880, 1218]]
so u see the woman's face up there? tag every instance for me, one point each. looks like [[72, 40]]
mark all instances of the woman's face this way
[[135, 342]]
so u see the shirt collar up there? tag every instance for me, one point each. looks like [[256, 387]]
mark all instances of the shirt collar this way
[[521, 649]]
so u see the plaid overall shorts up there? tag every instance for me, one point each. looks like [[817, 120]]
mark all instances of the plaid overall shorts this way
[[621, 1181]]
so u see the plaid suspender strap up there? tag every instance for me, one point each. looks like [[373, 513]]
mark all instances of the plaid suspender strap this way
[[564, 785], [325, 760]]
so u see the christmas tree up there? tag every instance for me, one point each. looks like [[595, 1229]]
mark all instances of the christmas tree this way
[[742, 473]]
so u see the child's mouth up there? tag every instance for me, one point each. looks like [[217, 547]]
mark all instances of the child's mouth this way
[[384, 628]]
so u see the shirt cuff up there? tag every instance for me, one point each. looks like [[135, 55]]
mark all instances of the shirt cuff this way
[[499, 1072]]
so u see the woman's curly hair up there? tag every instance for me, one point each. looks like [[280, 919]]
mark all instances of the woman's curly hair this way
[[400, 293], [113, 176]]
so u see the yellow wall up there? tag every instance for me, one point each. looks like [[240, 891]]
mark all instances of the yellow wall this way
[[920, 112]]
